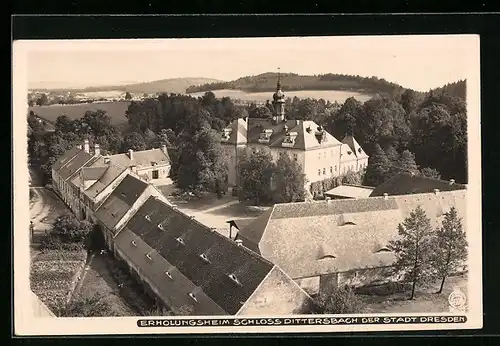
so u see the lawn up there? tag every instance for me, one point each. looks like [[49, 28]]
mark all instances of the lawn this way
[[115, 110], [99, 279], [425, 301], [53, 276]]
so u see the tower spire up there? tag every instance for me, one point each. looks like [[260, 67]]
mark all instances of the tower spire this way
[[278, 86]]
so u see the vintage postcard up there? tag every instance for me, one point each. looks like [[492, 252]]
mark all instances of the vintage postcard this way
[[301, 184]]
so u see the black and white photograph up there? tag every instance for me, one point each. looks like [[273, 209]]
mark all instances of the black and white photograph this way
[[247, 184]]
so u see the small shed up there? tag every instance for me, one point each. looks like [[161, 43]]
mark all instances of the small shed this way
[[349, 191]]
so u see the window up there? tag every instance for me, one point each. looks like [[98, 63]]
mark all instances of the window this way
[[204, 258], [169, 275], [324, 171], [331, 169], [180, 241], [384, 249], [193, 297], [149, 257], [319, 156], [335, 168], [133, 243], [160, 226], [234, 279], [295, 157], [147, 217], [324, 154], [319, 171]]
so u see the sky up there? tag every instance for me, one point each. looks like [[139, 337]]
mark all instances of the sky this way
[[417, 62]]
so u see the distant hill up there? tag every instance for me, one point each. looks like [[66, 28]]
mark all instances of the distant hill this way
[[293, 82], [171, 85], [456, 89]]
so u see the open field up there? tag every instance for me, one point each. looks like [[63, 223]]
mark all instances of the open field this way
[[115, 110], [425, 301], [328, 95]]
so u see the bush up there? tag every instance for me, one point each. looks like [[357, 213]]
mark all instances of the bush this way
[[385, 289], [342, 300], [94, 306]]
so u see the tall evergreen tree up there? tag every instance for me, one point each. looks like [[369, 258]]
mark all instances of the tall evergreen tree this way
[[414, 249], [378, 167], [451, 246], [407, 163]]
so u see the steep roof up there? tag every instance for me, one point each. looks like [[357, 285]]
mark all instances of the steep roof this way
[[405, 184], [306, 138], [351, 232], [140, 158], [73, 166], [75, 178], [350, 191], [64, 158], [346, 153], [120, 201], [110, 174], [93, 173], [208, 278], [354, 146]]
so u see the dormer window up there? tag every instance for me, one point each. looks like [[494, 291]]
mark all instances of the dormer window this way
[[147, 217], [265, 136], [180, 241], [167, 273], [349, 223], [234, 279], [133, 243], [148, 256], [327, 256], [193, 297], [308, 129], [289, 140], [160, 226], [204, 258], [360, 150], [349, 152]]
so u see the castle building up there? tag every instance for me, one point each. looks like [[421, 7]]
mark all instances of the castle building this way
[[320, 155]]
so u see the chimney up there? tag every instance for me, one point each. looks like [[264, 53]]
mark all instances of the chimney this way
[[285, 128], [133, 168], [131, 154], [452, 181], [297, 122], [97, 150], [239, 242], [436, 191], [86, 146], [386, 196], [107, 160]]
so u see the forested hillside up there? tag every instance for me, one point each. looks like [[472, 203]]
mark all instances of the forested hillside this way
[[291, 81]]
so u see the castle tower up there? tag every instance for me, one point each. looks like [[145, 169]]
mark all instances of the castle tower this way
[[279, 102]]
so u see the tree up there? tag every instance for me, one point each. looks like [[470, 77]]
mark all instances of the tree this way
[[201, 165], [451, 246], [342, 300], [255, 172], [134, 141], [409, 100], [407, 163], [378, 167], [260, 112], [352, 178], [128, 96], [430, 173], [414, 249], [70, 230], [42, 100], [289, 181]]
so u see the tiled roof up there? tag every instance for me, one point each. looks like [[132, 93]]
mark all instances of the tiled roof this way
[[354, 146], [351, 191], [209, 277], [64, 158], [405, 184], [93, 173], [140, 158], [306, 138], [110, 174], [75, 178], [120, 201], [348, 231], [75, 164]]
